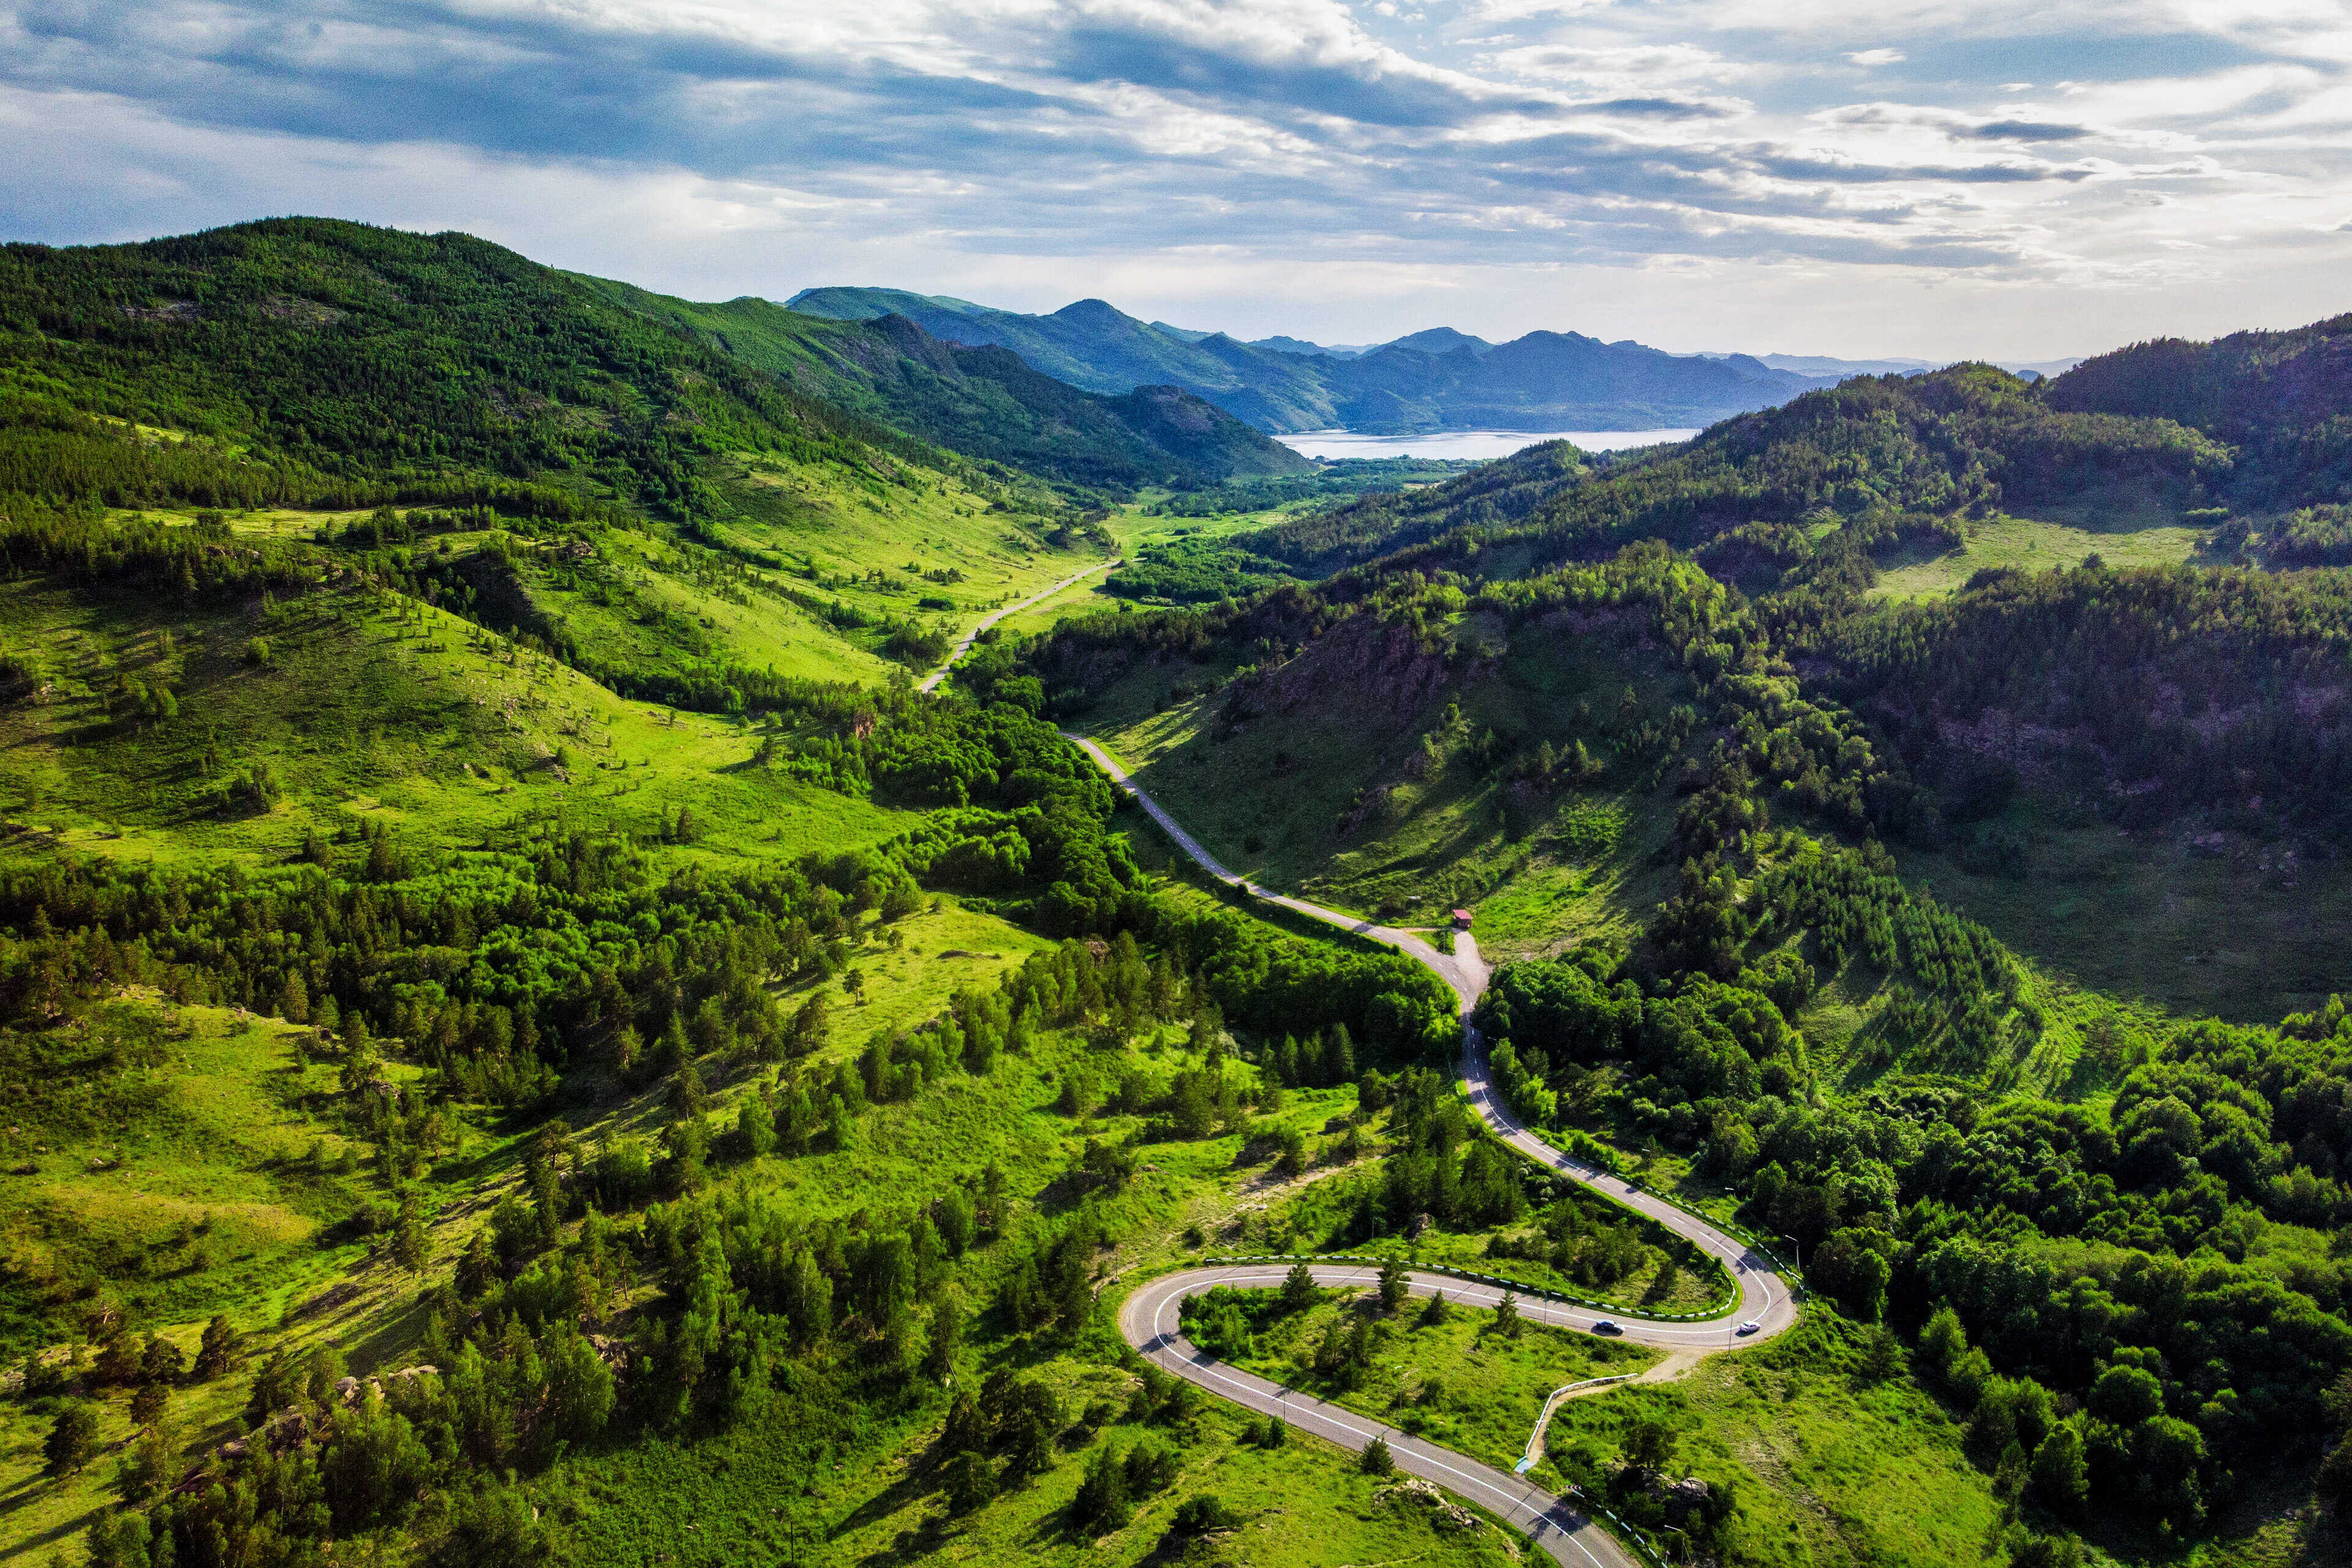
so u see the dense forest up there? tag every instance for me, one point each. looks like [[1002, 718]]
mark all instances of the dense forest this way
[[284, 359], [2277, 398]]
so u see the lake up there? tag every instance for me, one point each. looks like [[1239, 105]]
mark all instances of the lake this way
[[1477, 443]]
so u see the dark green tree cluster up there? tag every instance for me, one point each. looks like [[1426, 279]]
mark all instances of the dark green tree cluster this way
[[1593, 1245], [2278, 397], [1194, 571], [1442, 1165], [308, 342], [2089, 675]]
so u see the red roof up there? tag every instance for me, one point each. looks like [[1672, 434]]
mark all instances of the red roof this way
[[1461, 915]]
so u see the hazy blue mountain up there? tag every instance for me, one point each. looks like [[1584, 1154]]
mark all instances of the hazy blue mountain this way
[[1092, 345], [1283, 345], [1839, 369], [1439, 340], [1437, 379]]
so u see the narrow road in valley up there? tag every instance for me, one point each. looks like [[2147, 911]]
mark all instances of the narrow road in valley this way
[[1148, 1319], [1460, 969], [986, 621]]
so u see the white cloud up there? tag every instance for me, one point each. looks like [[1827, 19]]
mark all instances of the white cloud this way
[[1262, 164]]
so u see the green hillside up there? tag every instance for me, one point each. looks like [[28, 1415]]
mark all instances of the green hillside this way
[[463, 814], [302, 360], [2279, 397], [485, 912], [984, 402], [1898, 459]]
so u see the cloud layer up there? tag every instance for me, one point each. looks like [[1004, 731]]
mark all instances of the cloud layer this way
[[1669, 168]]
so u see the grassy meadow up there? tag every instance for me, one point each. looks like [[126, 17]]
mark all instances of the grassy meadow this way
[[1831, 1467], [2125, 529]]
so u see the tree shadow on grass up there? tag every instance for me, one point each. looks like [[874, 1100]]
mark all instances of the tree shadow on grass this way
[[908, 1491], [51, 1537]]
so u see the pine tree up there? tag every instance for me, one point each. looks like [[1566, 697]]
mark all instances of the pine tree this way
[[1377, 1459], [476, 1268], [219, 1351], [1298, 1291], [947, 1334], [411, 1243], [1101, 1505], [970, 1480], [72, 1438], [1338, 1057], [687, 1099], [148, 1403]]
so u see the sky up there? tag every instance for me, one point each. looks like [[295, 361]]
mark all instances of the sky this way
[[2012, 179]]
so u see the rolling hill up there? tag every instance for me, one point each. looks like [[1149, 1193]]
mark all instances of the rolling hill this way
[[288, 342], [1906, 454]]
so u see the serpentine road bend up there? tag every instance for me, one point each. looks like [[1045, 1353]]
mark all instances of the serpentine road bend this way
[[1148, 1319], [971, 636]]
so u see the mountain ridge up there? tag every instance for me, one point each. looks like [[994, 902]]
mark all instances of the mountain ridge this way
[[1436, 379]]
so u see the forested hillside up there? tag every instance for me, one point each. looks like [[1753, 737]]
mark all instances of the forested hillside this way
[[527, 1040], [984, 401], [306, 362], [1652, 719], [2279, 397], [493, 949], [296, 351], [1965, 1143], [1906, 455]]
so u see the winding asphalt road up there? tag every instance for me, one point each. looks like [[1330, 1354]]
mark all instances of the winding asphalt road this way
[[971, 636], [1148, 1319]]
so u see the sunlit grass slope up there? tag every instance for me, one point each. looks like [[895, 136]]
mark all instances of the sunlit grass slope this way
[[360, 708]]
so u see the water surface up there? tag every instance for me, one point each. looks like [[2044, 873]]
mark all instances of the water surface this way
[[1481, 445]]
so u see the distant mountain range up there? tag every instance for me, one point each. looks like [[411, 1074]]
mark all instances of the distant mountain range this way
[[1438, 379], [1433, 379]]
